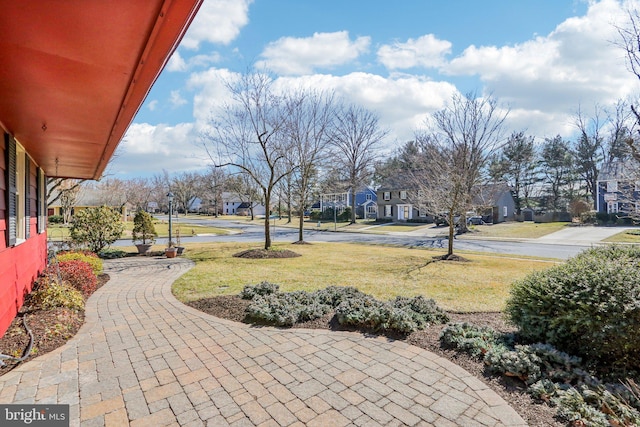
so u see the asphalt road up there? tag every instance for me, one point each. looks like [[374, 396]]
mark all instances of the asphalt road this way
[[245, 232]]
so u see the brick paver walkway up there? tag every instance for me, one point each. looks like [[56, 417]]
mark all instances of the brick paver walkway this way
[[145, 359]]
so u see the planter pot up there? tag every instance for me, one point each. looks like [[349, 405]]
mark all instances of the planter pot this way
[[180, 249], [171, 252], [143, 248]]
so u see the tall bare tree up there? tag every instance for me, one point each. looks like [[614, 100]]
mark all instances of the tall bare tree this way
[[630, 42], [460, 138], [213, 183], [309, 119], [588, 150], [184, 187], [356, 136], [248, 136]]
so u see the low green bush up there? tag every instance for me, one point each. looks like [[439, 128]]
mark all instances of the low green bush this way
[[551, 375], [589, 306], [261, 289], [588, 217], [55, 219], [112, 254], [471, 339], [352, 308], [402, 315]]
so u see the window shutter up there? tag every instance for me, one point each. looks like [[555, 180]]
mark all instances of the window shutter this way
[[27, 197], [41, 200], [11, 189]]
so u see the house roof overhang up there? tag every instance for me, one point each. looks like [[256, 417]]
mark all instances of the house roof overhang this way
[[74, 74]]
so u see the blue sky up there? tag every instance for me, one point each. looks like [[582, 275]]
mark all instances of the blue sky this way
[[404, 60]]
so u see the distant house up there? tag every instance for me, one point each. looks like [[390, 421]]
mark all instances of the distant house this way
[[618, 189], [395, 204], [232, 204], [366, 202], [88, 197], [494, 202]]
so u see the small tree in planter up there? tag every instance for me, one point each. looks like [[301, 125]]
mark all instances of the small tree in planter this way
[[143, 231]]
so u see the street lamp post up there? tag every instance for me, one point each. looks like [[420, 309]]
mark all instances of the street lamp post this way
[[170, 197]]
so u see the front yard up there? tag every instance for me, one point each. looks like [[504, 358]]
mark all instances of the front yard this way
[[522, 230], [384, 272]]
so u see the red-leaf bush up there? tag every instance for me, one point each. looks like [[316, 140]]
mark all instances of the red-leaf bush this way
[[80, 275], [87, 256]]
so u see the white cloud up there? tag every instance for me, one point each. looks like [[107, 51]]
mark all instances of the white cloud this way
[[178, 64], [577, 63], [426, 51], [148, 149], [210, 91], [217, 21], [153, 105], [176, 99], [296, 56]]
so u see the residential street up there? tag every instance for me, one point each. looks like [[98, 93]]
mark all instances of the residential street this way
[[562, 244]]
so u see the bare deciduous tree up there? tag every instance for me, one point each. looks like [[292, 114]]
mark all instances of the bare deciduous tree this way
[[356, 135], [460, 139], [309, 120], [184, 187], [247, 135], [630, 42]]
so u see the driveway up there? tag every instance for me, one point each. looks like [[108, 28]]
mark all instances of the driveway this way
[[581, 236]]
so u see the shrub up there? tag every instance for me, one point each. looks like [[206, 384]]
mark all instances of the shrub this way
[[96, 227], [286, 309], [261, 289], [473, 340], [86, 256], [402, 315], [590, 306], [143, 229], [588, 217], [55, 219], [49, 294], [79, 275], [111, 254]]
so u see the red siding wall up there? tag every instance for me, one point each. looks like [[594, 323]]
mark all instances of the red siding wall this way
[[19, 265]]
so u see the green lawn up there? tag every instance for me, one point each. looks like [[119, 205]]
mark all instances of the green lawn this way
[[627, 236], [480, 285], [59, 232], [527, 230]]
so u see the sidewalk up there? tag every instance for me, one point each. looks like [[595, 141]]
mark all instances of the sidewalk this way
[[145, 359]]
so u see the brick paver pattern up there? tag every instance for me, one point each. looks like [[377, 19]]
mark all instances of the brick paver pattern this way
[[145, 359]]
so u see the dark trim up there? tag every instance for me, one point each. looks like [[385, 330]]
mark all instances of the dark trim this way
[[12, 189], [27, 197], [41, 198]]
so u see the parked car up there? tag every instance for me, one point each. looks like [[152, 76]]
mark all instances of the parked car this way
[[475, 220]]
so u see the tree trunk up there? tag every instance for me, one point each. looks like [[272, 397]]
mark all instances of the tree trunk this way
[[353, 206], [452, 233], [301, 228], [267, 230]]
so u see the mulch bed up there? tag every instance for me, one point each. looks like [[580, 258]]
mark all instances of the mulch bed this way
[[232, 307], [266, 254], [51, 329]]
